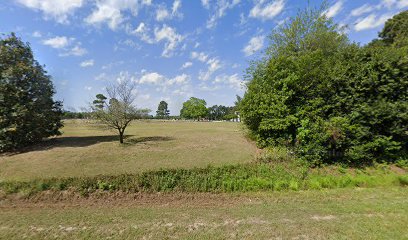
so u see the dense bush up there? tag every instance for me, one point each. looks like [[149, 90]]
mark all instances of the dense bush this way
[[28, 112], [327, 98]]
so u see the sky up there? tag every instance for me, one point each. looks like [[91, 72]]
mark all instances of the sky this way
[[172, 50]]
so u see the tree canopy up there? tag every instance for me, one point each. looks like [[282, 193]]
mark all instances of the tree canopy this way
[[327, 98], [395, 30], [28, 112], [194, 108], [162, 110]]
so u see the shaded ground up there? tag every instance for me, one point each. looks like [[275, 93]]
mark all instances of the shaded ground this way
[[85, 141], [86, 150], [335, 214]]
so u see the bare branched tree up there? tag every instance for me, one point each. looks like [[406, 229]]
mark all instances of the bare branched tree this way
[[117, 111]]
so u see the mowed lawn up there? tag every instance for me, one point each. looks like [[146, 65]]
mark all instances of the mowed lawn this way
[[380, 213], [85, 149]]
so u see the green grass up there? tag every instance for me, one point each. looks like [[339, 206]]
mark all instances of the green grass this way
[[161, 184], [378, 213], [85, 150]]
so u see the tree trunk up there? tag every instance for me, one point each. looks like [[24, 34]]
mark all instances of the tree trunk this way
[[120, 136]]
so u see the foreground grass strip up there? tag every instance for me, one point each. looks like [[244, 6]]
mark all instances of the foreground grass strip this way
[[232, 178], [362, 213]]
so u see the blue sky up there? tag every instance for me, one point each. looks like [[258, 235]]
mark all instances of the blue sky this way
[[172, 49]]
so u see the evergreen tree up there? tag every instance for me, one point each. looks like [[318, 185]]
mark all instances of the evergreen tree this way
[[28, 112], [162, 110]]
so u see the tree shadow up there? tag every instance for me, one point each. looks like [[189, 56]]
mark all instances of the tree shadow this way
[[134, 141], [62, 142], [84, 141]]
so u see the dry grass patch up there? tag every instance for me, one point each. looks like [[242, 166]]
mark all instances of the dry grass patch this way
[[85, 150]]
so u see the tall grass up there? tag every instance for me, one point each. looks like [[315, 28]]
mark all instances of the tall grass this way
[[257, 176]]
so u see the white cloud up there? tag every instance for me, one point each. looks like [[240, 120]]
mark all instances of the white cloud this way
[[334, 10], [57, 42], [147, 2], [167, 34], [392, 4], [127, 43], [206, 87], [75, 51], [176, 7], [213, 65], [162, 14], [371, 21], [110, 11], [141, 31], [264, 11], [255, 44], [152, 78], [87, 63], [68, 45], [187, 65], [55, 9], [402, 3], [101, 77], [180, 79], [219, 10], [171, 37], [234, 81], [111, 65], [141, 28], [202, 57], [163, 82], [205, 3], [88, 88], [125, 76], [37, 34], [366, 8]]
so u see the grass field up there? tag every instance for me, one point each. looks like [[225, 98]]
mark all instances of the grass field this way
[[262, 199], [86, 150], [380, 213]]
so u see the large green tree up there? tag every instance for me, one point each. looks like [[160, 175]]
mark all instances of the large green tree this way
[[28, 112], [162, 110], [327, 98], [395, 30], [194, 108]]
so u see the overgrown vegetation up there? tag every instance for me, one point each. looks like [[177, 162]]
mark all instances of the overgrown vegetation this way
[[276, 170], [328, 99]]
